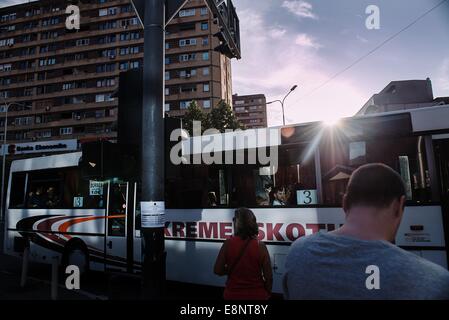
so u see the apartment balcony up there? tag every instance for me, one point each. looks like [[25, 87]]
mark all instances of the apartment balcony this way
[[187, 33], [74, 63], [64, 108], [83, 9], [62, 79], [184, 80], [188, 64], [196, 95], [62, 123], [66, 93], [80, 49], [190, 49]]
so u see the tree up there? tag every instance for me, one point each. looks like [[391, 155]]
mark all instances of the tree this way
[[194, 113], [223, 117]]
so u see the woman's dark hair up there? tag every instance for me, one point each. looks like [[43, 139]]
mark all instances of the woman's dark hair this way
[[245, 223], [375, 185]]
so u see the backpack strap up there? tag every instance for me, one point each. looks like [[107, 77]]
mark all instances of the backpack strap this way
[[239, 257]]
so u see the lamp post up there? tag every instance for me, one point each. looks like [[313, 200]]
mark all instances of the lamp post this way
[[282, 102], [5, 131]]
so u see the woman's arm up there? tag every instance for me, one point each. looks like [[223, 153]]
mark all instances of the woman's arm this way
[[220, 263], [266, 267]]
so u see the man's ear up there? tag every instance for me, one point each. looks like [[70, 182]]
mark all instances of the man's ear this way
[[399, 206], [402, 201]]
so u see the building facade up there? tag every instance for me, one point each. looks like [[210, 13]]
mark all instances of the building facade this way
[[251, 110], [403, 95], [61, 81]]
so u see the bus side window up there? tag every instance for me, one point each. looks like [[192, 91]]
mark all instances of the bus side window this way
[[407, 155], [18, 188]]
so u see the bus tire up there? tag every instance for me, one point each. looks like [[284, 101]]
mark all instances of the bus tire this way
[[76, 254]]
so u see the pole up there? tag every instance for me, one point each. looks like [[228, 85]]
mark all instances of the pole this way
[[152, 202], [283, 114], [2, 216], [54, 278], [26, 256]]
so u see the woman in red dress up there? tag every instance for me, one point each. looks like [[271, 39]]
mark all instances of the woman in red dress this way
[[245, 260]]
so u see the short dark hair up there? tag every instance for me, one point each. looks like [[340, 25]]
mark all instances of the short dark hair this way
[[374, 185], [247, 227]]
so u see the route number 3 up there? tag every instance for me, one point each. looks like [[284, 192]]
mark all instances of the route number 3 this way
[[306, 197]]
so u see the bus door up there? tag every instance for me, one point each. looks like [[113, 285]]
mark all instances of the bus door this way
[[116, 226]]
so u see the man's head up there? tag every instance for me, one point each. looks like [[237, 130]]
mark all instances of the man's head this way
[[279, 193], [378, 190]]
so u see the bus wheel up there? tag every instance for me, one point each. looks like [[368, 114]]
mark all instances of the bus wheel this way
[[77, 255]]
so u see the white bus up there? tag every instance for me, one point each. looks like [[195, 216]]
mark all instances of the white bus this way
[[94, 222]]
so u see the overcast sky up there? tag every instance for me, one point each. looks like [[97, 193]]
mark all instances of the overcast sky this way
[[287, 42]]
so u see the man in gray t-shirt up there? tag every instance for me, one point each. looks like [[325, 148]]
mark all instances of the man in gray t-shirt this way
[[359, 261]]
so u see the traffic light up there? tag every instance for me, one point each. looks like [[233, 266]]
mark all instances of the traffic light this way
[[225, 16]]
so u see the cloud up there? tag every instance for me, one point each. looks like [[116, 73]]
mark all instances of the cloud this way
[[306, 41], [299, 8], [272, 62], [362, 39]]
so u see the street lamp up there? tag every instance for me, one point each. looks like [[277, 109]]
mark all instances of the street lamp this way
[[282, 102], [5, 131]]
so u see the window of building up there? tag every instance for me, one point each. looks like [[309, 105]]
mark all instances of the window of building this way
[[23, 121], [205, 41], [167, 107], [204, 25], [204, 11], [187, 42], [82, 42], [184, 104], [205, 55], [5, 67], [206, 71], [187, 57], [187, 13], [68, 86], [167, 75], [124, 65], [167, 91], [65, 131], [134, 64], [206, 104], [206, 87], [6, 42], [47, 62], [105, 83]]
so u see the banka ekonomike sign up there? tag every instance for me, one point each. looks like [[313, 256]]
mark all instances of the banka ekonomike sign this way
[[43, 146]]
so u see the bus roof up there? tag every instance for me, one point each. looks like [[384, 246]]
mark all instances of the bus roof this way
[[39, 163]]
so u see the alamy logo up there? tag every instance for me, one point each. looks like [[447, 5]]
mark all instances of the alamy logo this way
[[73, 280], [372, 22], [73, 20], [373, 280], [252, 146]]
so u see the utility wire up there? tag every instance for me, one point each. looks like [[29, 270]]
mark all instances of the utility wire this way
[[373, 50]]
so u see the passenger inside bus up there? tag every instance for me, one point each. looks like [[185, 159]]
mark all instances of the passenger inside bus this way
[[37, 198], [53, 200], [278, 196], [212, 199]]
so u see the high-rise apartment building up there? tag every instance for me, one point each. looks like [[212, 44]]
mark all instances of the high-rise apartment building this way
[[61, 80], [251, 110]]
